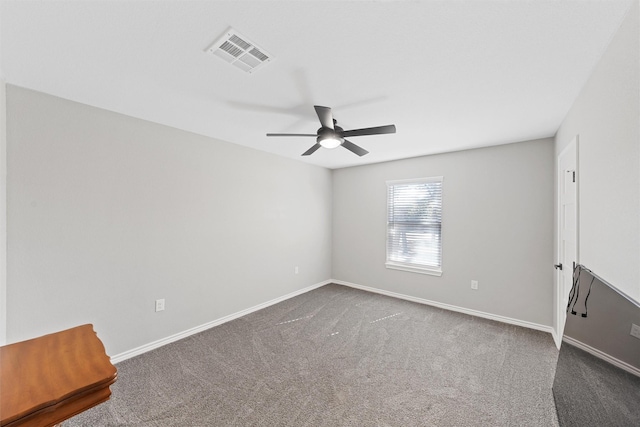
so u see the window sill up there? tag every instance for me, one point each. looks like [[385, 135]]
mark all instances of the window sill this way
[[414, 269]]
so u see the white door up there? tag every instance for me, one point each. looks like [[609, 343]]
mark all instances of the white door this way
[[567, 228]]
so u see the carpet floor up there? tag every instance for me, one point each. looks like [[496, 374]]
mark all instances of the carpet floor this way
[[591, 392], [338, 356]]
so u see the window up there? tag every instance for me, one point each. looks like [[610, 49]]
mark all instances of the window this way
[[414, 225]]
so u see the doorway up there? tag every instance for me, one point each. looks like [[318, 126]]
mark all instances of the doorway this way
[[567, 237]]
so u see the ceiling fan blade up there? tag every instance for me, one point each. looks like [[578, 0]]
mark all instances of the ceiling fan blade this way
[[311, 150], [378, 130], [354, 148], [325, 116], [291, 134]]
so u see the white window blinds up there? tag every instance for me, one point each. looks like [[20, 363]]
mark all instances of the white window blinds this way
[[414, 225]]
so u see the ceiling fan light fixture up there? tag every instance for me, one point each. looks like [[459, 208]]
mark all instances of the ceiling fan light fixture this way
[[329, 141]]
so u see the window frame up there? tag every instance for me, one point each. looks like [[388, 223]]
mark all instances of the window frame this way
[[405, 266]]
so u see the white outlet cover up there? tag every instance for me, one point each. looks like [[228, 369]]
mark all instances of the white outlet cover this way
[[635, 330]]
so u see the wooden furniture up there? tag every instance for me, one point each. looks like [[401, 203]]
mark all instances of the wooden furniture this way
[[49, 379]]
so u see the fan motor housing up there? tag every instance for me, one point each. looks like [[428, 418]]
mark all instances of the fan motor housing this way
[[335, 132], [327, 133]]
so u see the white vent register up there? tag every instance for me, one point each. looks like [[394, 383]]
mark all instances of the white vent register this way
[[237, 50]]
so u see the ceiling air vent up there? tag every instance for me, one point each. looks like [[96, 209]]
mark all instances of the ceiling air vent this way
[[236, 49]]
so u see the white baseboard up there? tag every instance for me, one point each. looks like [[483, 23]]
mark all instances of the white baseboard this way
[[450, 307], [184, 334], [601, 355]]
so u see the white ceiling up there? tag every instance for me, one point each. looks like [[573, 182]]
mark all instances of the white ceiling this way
[[449, 75]]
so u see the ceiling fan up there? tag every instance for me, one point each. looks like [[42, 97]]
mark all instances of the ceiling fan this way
[[330, 135]]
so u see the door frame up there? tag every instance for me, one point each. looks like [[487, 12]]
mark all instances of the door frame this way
[[560, 307]]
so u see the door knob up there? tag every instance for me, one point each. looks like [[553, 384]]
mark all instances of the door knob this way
[[558, 266]]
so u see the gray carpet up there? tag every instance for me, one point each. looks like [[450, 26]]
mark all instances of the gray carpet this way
[[590, 392], [338, 356]]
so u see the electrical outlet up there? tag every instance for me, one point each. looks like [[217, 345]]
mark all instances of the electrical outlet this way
[[296, 271], [160, 304], [635, 330], [474, 285]]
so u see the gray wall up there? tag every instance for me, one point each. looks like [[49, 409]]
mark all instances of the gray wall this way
[[107, 213], [608, 323], [497, 229], [3, 212], [606, 118]]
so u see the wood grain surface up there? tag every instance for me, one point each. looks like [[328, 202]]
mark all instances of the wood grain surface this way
[[46, 380]]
